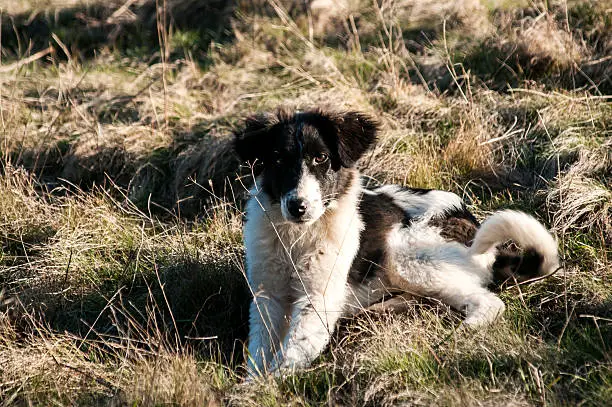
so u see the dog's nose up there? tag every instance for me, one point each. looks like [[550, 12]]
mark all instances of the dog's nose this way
[[297, 207]]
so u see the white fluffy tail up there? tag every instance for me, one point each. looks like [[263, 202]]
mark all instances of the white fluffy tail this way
[[525, 231]]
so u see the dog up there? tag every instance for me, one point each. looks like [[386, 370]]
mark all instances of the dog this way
[[320, 245]]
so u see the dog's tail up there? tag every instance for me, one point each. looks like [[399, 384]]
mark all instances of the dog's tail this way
[[539, 254]]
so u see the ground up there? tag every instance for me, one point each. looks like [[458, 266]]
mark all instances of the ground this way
[[121, 270]]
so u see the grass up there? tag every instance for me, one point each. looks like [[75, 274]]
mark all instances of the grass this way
[[121, 265]]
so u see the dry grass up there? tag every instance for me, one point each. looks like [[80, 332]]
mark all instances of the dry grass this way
[[121, 276]]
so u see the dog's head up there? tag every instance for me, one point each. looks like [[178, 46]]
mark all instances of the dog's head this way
[[306, 156]]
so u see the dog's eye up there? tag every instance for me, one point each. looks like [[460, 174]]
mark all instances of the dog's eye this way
[[321, 158]]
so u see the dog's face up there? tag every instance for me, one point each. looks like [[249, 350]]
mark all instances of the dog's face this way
[[305, 157]]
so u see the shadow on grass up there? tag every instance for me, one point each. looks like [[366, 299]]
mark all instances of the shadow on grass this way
[[507, 66], [196, 169], [202, 305], [87, 28], [133, 30], [503, 59]]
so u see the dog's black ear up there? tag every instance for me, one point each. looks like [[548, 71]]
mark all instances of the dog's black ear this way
[[356, 133], [253, 142]]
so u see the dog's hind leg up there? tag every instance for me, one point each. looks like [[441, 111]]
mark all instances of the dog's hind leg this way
[[482, 307], [446, 272], [455, 287]]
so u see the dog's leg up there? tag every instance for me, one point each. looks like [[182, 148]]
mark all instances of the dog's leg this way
[[447, 272], [482, 307], [397, 304], [266, 319], [313, 320], [457, 288]]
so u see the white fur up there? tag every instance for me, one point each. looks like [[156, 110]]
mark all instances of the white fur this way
[[417, 204], [298, 274]]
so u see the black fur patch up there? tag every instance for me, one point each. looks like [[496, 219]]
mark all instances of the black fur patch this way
[[511, 265], [379, 214], [457, 225], [255, 140]]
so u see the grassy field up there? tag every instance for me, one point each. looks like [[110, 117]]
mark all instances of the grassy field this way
[[121, 270]]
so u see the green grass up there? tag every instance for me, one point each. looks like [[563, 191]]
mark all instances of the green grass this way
[[121, 265]]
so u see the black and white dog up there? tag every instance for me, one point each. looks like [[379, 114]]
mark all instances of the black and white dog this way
[[319, 245]]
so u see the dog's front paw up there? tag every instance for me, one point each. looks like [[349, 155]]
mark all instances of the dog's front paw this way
[[280, 367], [287, 362]]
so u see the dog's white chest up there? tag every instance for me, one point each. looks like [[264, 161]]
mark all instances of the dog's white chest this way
[[302, 253]]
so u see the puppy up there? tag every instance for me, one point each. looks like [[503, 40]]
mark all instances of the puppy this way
[[319, 245]]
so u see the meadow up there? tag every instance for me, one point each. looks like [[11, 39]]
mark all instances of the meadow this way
[[121, 265]]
